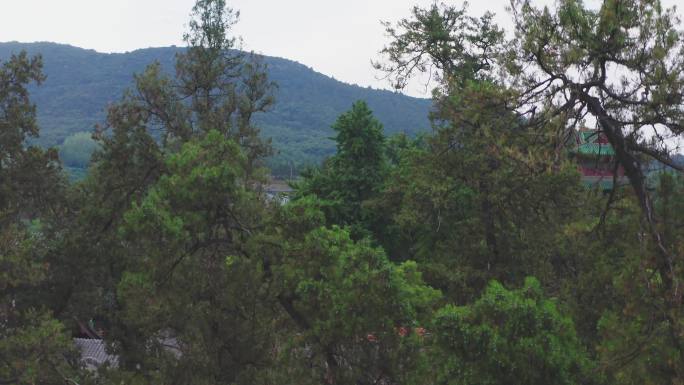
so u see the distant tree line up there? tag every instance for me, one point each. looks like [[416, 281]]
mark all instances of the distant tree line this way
[[81, 83]]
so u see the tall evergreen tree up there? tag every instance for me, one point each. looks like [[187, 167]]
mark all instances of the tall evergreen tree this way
[[34, 346], [467, 204], [215, 93], [355, 174], [622, 65]]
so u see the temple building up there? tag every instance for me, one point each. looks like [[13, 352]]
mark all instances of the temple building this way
[[596, 159]]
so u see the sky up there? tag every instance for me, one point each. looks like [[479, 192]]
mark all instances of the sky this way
[[336, 37]]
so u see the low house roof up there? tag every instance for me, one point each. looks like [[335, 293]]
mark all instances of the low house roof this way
[[94, 353]]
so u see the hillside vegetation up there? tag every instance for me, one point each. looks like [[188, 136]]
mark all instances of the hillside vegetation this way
[[81, 83]]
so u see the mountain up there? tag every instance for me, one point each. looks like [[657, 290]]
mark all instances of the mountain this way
[[80, 83]]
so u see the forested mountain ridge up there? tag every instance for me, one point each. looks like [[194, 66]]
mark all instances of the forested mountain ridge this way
[[81, 83]]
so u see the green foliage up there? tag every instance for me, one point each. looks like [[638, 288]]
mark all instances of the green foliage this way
[[307, 102], [483, 201], [390, 263], [34, 346], [508, 337], [351, 303], [360, 152], [192, 279], [444, 39], [638, 343], [35, 349], [27, 174], [355, 174], [77, 149], [577, 61]]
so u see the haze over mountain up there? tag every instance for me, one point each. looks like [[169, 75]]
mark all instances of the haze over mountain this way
[[81, 83]]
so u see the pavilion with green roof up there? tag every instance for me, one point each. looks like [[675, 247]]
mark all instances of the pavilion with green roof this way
[[596, 159]]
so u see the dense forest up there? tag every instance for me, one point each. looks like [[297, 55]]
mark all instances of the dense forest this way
[[473, 254], [81, 83]]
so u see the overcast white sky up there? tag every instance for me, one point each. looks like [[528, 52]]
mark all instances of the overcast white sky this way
[[335, 37]]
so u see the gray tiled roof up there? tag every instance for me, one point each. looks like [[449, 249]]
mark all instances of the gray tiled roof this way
[[94, 353]]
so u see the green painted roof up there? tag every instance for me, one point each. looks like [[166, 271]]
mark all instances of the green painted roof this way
[[601, 185], [588, 136], [595, 149]]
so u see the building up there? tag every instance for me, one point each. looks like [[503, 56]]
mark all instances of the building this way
[[94, 353], [596, 159]]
